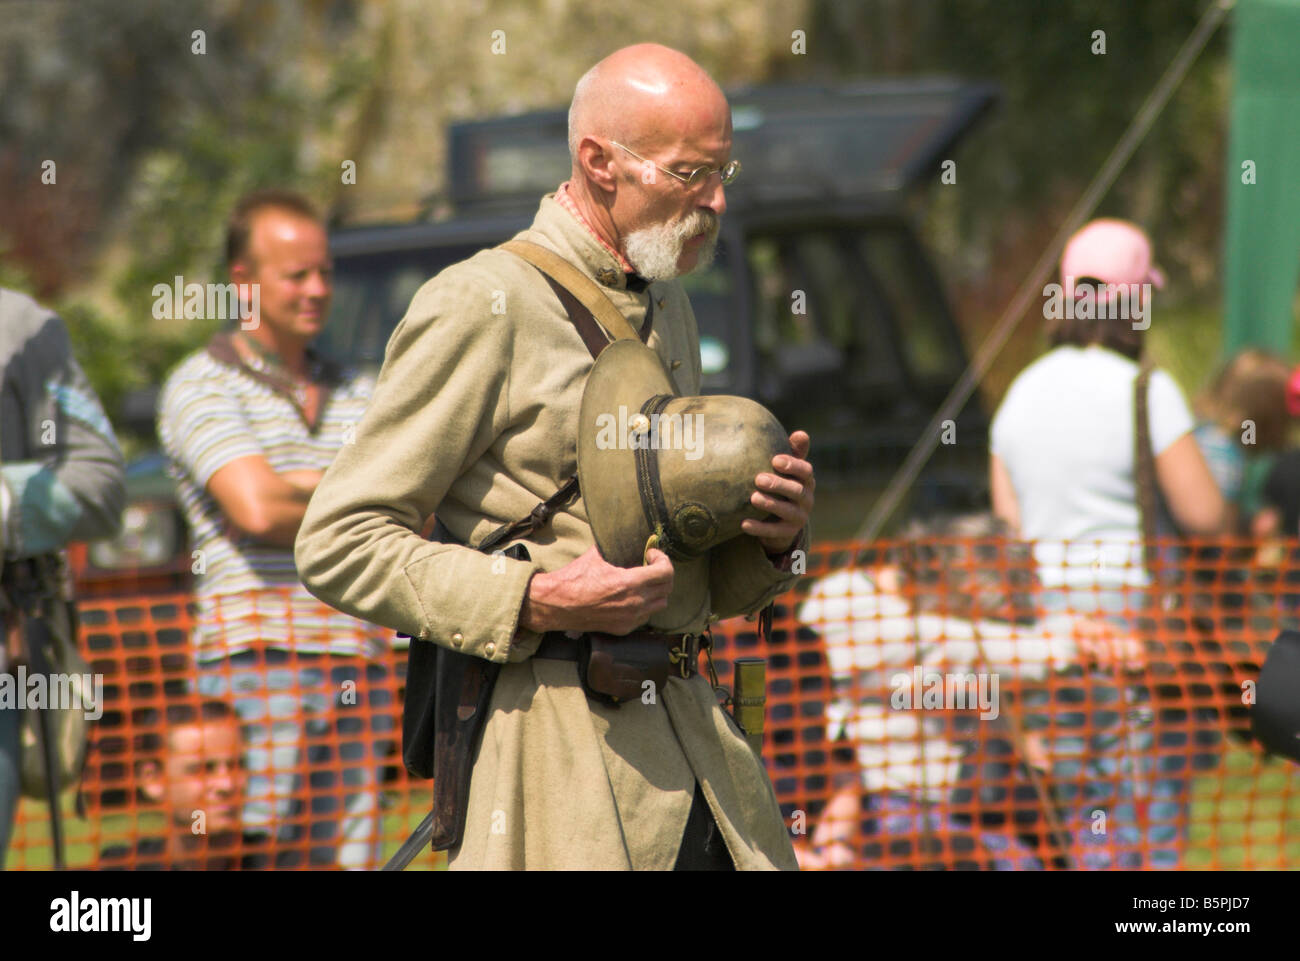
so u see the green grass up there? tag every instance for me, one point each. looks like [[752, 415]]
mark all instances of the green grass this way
[[1243, 817], [1246, 818], [30, 847]]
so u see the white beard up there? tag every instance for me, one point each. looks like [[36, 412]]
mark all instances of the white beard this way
[[654, 251]]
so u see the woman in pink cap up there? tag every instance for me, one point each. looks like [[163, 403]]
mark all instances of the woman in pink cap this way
[[1062, 466], [1063, 474]]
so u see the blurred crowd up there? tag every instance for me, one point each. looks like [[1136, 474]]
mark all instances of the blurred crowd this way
[[1095, 457]]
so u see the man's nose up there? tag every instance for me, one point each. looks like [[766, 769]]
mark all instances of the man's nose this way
[[222, 781], [715, 195], [318, 284]]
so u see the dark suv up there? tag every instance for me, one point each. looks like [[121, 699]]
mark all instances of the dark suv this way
[[821, 302]]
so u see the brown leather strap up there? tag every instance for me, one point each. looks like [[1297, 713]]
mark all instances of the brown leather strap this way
[[539, 517], [583, 289], [558, 645], [682, 651], [582, 300], [1144, 462], [592, 334]]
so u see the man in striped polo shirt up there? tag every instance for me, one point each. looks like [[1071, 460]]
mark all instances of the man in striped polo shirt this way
[[249, 424]]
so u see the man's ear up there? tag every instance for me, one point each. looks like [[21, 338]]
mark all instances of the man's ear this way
[[149, 780], [595, 161], [243, 274]]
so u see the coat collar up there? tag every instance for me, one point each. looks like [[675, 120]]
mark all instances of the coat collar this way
[[559, 230]]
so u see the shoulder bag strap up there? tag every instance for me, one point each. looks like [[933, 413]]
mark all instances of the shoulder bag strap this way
[[1144, 462], [580, 287], [539, 517], [584, 302]]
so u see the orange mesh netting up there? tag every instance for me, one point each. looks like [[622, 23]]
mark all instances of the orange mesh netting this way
[[930, 705]]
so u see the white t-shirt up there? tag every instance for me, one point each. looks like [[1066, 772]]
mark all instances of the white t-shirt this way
[[872, 637], [1065, 433]]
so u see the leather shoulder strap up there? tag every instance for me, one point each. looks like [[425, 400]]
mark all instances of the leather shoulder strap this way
[[1144, 461], [614, 324]]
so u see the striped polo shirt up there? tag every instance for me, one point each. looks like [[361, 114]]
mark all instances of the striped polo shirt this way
[[249, 594]]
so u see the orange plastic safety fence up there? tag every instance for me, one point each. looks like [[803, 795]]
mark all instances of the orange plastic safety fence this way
[[931, 704]]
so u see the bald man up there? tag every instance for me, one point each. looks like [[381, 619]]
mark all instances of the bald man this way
[[475, 418]]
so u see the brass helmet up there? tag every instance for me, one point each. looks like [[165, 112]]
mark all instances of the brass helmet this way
[[659, 470]]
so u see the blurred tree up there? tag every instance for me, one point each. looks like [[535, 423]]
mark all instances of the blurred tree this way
[[1064, 107], [165, 113]]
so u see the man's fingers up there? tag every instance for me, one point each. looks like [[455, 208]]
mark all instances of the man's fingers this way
[[657, 571], [800, 470], [771, 529], [782, 508], [800, 443], [657, 558], [779, 486]]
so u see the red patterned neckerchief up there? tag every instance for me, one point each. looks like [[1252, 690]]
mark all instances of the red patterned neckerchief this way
[[564, 200]]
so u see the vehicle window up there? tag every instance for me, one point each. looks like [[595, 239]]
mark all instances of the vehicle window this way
[[781, 319], [371, 294], [830, 288], [711, 296], [928, 341], [819, 324]]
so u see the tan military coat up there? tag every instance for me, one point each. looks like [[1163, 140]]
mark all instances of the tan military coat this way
[[474, 417]]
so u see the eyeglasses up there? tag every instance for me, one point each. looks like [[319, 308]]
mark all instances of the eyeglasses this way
[[697, 177]]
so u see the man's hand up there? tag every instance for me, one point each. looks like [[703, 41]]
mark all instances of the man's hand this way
[[1103, 647], [831, 844], [788, 494], [589, 594]]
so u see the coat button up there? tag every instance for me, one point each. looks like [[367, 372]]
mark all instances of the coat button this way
[[607, 276], [660, 303], [458, 639], [676, 364], [490, 649]]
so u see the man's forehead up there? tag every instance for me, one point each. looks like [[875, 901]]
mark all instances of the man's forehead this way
[[696, 135], [210, 739], [276, 226]]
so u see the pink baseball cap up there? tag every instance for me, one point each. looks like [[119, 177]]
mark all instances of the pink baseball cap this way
[[1112, 251]]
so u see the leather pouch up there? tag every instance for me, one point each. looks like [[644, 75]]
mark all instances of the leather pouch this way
[[617, 667]]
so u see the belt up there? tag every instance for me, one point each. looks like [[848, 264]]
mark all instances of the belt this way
[[683, 650]]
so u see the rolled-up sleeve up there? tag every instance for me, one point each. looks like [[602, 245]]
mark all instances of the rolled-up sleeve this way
[[439, 404], [73, 489]]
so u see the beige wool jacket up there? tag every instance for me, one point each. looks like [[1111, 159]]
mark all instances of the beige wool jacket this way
[[474, 418]]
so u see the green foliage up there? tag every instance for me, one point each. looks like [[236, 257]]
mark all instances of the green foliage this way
[[155, 142]]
